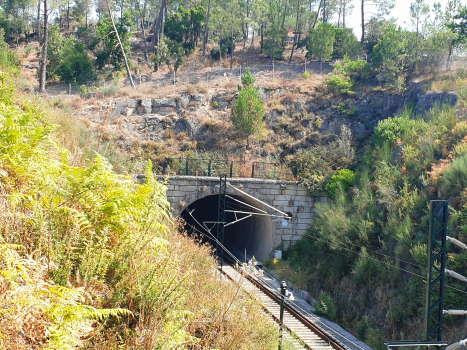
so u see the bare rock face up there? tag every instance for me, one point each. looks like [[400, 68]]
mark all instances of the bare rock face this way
[[428, 100], [313, 122]]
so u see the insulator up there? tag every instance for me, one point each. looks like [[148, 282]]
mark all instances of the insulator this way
[[454, 346], [456, 242], [457, 345], [455, 275], [455, 312]]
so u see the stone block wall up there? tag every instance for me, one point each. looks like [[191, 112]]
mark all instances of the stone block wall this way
[[286, 196]]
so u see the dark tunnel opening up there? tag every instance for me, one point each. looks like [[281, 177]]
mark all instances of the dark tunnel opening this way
[[255, 234]]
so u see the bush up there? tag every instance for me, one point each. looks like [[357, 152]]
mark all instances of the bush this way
[[339, 85], [342, 181], [275, 42], [189, 47], [215, 53], [392, 129], [76, 65], [226, 45], [306, 75], [326, 307], [454, 178], [8, 58], [345, 43]]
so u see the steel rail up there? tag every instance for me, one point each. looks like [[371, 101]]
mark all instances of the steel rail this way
[[322, 334]]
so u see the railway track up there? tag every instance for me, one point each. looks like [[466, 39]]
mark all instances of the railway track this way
[[304, 330]]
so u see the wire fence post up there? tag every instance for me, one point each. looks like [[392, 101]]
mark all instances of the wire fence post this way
[[69, 91], [103, 91], [273, 71], [305, 66], [207, 79], [140, 86]]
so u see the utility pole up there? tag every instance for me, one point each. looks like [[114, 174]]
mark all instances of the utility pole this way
[[436, 264], [283, 289], [221, 217]]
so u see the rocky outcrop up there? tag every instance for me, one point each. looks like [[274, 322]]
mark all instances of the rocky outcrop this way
[[317, 118], [428, 100]]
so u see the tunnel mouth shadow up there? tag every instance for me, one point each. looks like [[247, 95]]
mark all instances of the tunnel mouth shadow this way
[[253, 234]]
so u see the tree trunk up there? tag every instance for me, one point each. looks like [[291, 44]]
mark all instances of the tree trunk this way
[[317, 14], [245, 34], [449, 57], [363, 22], [285, 12], [206, 29], [68, 16], [252, 46], [340, 12], [157, 31], [295, 34], [38, 26], [42, 79], [262, 37], [146, 57], [231, 41], [343, 14], [324, 11], [121, 47]]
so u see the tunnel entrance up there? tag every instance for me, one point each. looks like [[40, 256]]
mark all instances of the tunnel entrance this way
[[255, 234]]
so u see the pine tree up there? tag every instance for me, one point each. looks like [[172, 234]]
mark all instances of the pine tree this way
[[248, 109]]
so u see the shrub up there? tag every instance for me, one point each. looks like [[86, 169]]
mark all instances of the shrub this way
[[8, 58], [392, 129], [215, 104], [342, 181], [226, 44], [454, 178], [76, 65], [325, 306], [306, 75], [83, 90], [339, 85], [189, 47], [215, 53]]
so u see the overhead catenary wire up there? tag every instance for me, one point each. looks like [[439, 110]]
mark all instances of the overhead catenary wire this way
[[382, 262], [265, 284], [385, 255]]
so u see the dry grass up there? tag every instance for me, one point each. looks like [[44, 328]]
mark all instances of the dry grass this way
[[169, 134], [209, 123], [183, 136], [202, 88], [231, 84], [76, 103], [190, 90]]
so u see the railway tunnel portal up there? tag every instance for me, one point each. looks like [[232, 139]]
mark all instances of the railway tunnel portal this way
[[258, 234]]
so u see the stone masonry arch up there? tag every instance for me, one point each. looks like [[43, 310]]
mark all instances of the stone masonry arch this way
[[287, 196]]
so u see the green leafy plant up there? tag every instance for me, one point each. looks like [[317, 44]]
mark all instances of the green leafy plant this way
[[342, 181], [339, 85], [215, 53], [306, 75], [326, 307], [248, 109]]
